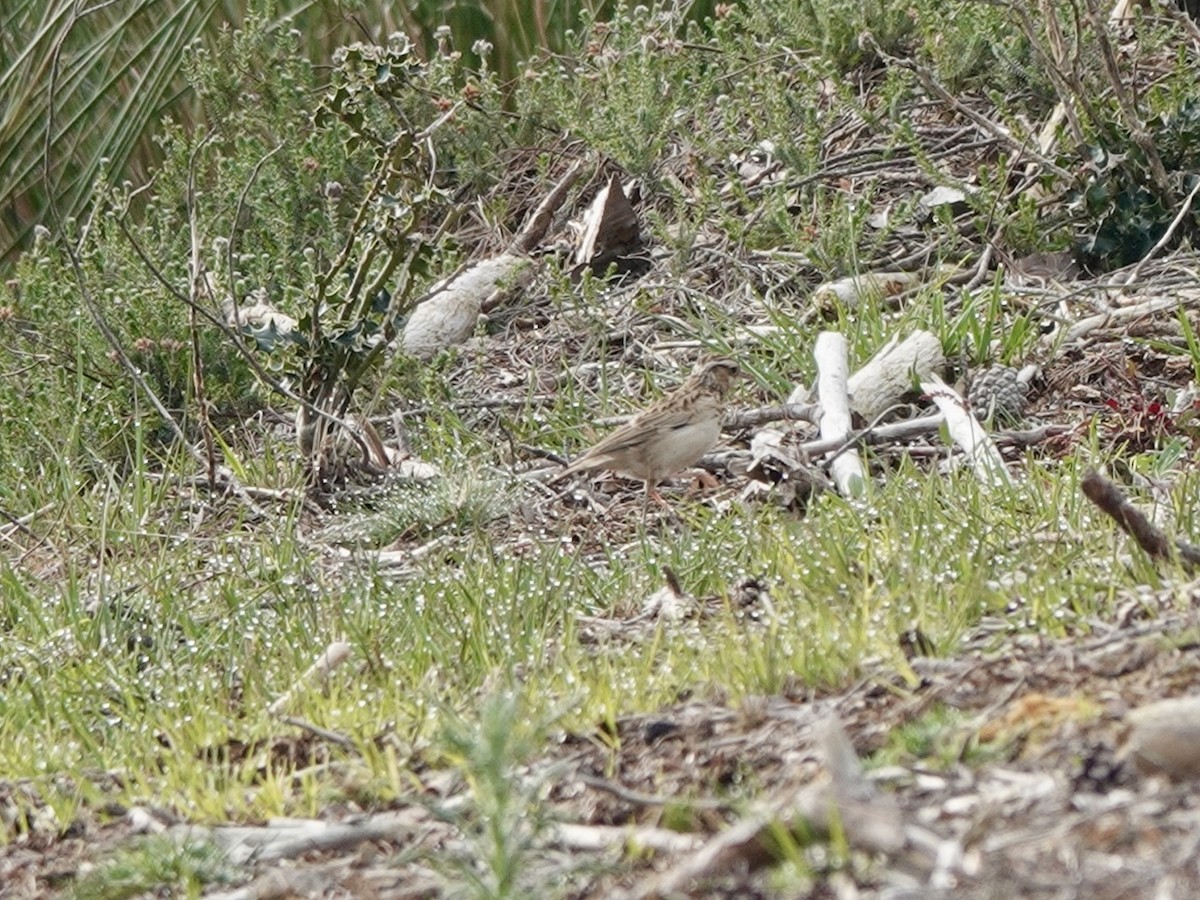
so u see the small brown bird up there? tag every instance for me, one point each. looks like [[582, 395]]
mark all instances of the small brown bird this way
[[668, 436]]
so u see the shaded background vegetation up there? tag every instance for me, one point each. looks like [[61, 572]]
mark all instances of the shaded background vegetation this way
[[120, 68]]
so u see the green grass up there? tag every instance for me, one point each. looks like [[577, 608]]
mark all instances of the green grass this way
[[152, 865], [175, 638]]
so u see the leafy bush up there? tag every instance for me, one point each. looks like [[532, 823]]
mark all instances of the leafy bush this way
[[1121, 213], [324, 209]]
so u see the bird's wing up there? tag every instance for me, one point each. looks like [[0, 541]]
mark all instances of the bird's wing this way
[[601, 454], [648, 423]]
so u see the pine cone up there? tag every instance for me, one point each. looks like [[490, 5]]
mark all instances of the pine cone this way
[[997, 395]]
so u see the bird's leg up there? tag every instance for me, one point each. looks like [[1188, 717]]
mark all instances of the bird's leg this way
[[652, 493]]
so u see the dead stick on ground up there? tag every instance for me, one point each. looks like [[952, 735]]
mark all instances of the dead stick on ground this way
[[332, 737], [535, 229], [1133, 521], [830, 355], [751, 418], [318, 673]]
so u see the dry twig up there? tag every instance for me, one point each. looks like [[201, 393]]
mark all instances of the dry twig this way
[[1134, 523]]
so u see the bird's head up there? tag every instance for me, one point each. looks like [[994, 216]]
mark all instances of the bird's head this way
[[717, 375]]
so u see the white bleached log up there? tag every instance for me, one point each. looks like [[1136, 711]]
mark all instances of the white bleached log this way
[[1115, 317], [448, 317], [983, 457], [889, 375], [849, 292], [832, 367]]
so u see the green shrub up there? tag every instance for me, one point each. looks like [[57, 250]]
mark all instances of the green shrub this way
[[319, 207], [1121, 214]]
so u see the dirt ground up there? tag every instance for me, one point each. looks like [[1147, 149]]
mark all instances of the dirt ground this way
[[1041, 801]]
